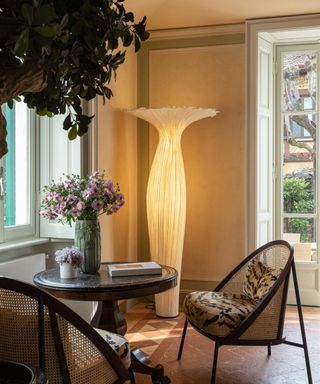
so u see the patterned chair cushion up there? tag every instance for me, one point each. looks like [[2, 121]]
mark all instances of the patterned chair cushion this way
[[259, 279], [119, 344], [217, 313]]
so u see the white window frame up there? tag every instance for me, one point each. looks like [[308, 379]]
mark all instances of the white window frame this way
[[46, 141], [308, 272], [253, 29], [79, 156], [279, 216], [8, 234], [58, 157]]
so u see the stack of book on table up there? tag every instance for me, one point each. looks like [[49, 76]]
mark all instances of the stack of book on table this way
[[134, 269]]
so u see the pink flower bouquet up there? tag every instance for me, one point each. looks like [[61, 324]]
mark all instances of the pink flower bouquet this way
[[81, 198]]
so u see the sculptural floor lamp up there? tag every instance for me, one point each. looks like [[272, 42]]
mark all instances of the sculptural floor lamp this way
[[166, 193]]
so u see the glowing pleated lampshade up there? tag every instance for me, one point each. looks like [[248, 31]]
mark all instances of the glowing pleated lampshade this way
[[166, 193]]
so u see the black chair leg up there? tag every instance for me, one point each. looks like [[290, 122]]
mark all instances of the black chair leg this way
[[269, 350], [303, 333], [182, 338], [132, 378], [215, 363]]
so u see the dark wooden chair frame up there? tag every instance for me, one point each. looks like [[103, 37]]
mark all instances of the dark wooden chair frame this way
[[234, 337], [55, 307]]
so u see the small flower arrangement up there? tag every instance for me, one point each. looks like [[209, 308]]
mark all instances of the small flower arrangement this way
[[81, 198], [69, 255]]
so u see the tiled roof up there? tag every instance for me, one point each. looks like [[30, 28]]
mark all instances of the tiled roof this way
[[295, 60]]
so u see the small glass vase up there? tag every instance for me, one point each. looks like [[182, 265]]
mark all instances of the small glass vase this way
[[68, 271], [88, 240]]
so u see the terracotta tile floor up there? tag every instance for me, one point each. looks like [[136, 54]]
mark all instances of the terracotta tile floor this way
[[160, 339]]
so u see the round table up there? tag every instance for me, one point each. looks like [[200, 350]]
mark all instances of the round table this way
[[20, 373], [107, 291]]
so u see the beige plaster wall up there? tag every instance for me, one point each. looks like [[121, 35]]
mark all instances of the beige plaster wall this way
[[213, 151], [117, 136]]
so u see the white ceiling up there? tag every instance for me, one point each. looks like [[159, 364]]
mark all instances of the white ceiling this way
[[164, 14]]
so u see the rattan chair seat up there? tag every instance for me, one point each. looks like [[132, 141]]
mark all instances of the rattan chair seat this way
[[248, 306]]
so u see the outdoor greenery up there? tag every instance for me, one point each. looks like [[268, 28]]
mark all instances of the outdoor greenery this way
[[298, 198], [56, 52]]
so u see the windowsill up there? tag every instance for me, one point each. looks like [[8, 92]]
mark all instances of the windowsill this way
[[18, 244], [306, 262]]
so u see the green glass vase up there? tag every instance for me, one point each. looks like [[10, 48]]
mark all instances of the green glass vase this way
[[88, 240]]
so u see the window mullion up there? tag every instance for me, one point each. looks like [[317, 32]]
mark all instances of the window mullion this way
[[279, 147], [317, 207], [2, 202], [299, 113]]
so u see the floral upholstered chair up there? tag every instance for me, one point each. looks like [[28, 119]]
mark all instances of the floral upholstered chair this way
[[38, 329], [248, 306]]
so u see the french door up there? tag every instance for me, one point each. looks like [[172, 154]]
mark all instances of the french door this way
[[297, 155]]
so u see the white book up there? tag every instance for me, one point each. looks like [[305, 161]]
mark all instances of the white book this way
[[132, 269]]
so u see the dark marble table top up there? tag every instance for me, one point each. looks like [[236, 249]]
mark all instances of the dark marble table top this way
[[101, 286]]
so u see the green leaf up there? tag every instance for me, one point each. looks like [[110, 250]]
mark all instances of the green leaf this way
[[22, 43], [75, 90], [47, 30], [83, 128], [67, 122], [27, 12], [44, 15], [145, 36], [107, 92], [64, 21], [77, 28], [65, 52], [73, 133], [76, 104], [76, 61], [137, 44], [90, 93], [10, 103], [64, 37], [83, 119], [129, 17], [42, 111], [127, 39]]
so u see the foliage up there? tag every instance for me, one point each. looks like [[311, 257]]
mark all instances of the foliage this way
[[297, 195], [81, 198], [70, 255], [75, 44], [299, 225], [298, 198]]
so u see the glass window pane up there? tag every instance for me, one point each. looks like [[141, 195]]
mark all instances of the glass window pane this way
[[16, 167], [299, 126], [299, 119], [301, 232], [299, 82], [299, 164], [305, 227]]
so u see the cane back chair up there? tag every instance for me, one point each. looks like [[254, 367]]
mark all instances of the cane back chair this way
[[38, 329], [248, 306]]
